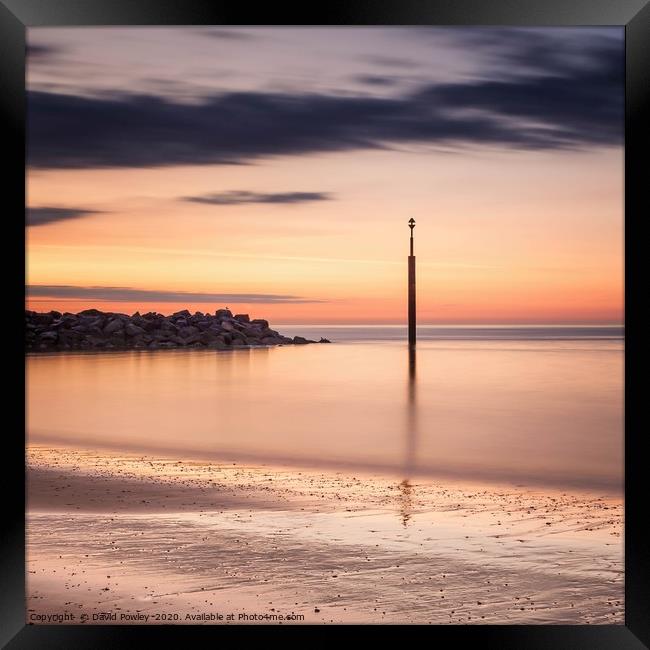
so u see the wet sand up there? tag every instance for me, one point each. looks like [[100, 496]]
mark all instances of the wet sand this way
[[127, 538]]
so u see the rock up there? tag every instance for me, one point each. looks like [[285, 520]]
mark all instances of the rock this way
[[188, 332], [264, 324], [247, 328], [97, 323], [44, 319], [207, 337], [322, 340], [117, 338], [139, 321], [68, 336], [94, 329], [168, 326], [133, 330], [114, 326], [68, 320]]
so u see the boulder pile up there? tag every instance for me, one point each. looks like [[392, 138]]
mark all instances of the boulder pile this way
[[92, 329]]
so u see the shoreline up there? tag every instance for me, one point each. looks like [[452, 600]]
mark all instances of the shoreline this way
[[463, 477], [329, 546]]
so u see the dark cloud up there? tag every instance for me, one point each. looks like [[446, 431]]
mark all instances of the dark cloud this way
[[586, 111], [376, 80], [225, 34], [41, 52], [243, 197], [571, 106], [127, 294], [44, 215], [516, 51]]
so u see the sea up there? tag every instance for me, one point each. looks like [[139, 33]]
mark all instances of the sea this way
[[538, 405]]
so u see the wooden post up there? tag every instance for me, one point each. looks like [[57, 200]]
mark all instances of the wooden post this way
[[411, 294]]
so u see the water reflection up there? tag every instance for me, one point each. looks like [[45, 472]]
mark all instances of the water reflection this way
[[531, 411], [411, 430]]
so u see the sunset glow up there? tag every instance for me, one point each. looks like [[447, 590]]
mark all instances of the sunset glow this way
[[504, 234]]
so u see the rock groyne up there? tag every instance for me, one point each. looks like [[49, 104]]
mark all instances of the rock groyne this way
[[92, 329]]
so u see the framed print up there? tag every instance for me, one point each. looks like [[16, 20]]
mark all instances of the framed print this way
[[328, 320]]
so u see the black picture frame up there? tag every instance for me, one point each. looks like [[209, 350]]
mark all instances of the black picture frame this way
[[634, 15]]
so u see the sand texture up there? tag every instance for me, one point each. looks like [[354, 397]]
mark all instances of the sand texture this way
[[143, 539]]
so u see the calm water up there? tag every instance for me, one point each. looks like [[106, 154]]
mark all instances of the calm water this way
[[533, 405]]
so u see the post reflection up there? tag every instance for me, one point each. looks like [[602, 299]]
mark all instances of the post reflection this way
[[405, 487]]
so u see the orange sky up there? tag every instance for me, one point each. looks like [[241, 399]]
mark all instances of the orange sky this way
[[502, 235]]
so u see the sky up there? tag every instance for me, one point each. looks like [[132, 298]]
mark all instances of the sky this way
[[273, 171]]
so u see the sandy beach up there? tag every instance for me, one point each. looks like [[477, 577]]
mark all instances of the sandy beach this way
[[127, 538], [325, 324]]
